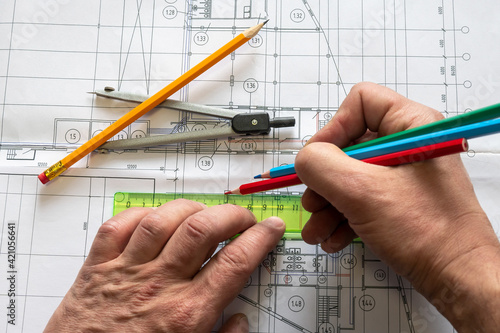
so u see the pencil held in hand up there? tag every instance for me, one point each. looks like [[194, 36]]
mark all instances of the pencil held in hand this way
[[148, 105], [421, 153], [266, 185], [398, 158]]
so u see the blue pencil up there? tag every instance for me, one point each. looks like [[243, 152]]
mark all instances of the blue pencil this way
[[467, 131]]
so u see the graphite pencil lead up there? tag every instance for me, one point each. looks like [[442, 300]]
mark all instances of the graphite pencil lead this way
[[253, 31]]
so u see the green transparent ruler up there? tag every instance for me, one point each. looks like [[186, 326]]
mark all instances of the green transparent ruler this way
[[288, 207]]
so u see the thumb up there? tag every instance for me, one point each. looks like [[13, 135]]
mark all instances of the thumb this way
[[328, 171], [238, 323]]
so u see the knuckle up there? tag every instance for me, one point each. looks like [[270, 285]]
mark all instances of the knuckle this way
[[234, 257], [152, 225], [110, 227], [199, 226]]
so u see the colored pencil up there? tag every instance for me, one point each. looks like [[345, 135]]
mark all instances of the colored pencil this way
[[467, 131], [266, 185], [56, 169], [403, 157], [486, 113]]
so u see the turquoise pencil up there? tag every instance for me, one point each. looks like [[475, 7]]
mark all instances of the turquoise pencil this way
[[468, 132]]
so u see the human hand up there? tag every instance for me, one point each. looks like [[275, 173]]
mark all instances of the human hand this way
[[144, 271], [422, 219]]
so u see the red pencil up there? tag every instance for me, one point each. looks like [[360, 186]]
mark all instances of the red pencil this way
[[402, 157], [421, 153], [267, 185]]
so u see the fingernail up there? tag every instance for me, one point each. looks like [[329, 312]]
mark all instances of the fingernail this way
[[275, 222], [243, 326]]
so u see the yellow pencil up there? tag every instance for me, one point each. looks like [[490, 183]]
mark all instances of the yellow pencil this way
[[148, 105]]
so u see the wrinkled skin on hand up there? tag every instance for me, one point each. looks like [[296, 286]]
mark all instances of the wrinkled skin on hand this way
[[144, 271], [422, 219]]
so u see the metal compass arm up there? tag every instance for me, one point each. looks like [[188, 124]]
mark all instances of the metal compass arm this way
[[256, 123], [110, 92]]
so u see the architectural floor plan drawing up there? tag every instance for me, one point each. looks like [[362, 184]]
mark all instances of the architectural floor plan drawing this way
[[301, 64]]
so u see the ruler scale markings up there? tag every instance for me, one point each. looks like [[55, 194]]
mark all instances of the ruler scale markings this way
[[288, 207]]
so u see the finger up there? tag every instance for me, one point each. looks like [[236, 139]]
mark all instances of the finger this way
[[238, 323], [226, 273], [199, 233], [156, 228], [376, 108], [114, 234], [312, 201], [339, 239], [321, 225], [333, 172]]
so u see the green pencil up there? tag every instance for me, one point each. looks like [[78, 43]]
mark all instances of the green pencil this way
[[486, 113]]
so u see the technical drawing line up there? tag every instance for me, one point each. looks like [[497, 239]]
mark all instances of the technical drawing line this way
[[405, 303], [139, 5], [7, 73], [320, 28], [137, 21], [274, 314], [396, 43], [148, 79]]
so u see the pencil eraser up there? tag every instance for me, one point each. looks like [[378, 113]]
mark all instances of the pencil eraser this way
[[43, 178]]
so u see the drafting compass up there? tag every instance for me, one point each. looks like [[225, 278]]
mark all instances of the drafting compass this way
[[240, 124]]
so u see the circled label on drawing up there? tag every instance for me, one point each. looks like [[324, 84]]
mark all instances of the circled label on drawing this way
[[200, 38], [296, 303], [326, 328], [256, 41], [72, 136], [380, 275], [248, 145], [205, 163], [348, 261], [137, 134], [198, 127], [366, 302], [250, 85], [297, 15], [122, 135], [170, 12]]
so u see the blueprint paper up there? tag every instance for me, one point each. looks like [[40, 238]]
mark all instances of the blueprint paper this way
[[302, 63]]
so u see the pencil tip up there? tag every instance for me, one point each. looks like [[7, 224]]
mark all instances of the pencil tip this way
[[227, 192], [91, 92], [264, 23], [266, 174], [253, 31], [257, 177]]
